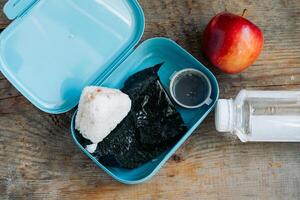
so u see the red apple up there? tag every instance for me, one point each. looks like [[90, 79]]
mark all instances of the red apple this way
[[231, 42]]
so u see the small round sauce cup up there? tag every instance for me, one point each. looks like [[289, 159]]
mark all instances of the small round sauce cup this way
[[190, 88]]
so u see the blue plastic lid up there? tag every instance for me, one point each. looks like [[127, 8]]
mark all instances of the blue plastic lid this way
[[55, 48]]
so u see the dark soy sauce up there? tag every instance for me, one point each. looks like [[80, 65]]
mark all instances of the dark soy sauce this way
[[190, 89]]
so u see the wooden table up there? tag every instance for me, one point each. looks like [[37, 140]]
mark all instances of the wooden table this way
[[38, 159]]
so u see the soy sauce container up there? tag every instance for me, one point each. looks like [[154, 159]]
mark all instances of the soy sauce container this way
[[190, 88]]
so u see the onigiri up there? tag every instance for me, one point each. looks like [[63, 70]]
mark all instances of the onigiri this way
[[100, 110]]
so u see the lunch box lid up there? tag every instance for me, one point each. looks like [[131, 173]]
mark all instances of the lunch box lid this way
[[53, 49]]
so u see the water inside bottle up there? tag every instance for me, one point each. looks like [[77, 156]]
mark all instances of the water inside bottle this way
[[278, 119]]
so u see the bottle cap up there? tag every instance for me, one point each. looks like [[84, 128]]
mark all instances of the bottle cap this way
[[224, 115]]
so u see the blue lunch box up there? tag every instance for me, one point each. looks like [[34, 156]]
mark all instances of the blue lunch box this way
[[53, 49]]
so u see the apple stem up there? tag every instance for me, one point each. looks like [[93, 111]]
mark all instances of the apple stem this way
[[244, 12]]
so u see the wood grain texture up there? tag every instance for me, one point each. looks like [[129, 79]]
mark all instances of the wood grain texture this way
[[38, 159]]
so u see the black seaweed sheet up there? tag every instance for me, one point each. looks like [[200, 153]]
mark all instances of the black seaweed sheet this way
[[152, 126]]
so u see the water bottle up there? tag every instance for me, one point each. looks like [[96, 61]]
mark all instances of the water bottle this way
[[268, 116]]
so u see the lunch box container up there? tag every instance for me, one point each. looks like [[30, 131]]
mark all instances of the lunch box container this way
[[53, 49]]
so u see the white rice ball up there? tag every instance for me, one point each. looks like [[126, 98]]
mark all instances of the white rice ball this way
[[100, 110]]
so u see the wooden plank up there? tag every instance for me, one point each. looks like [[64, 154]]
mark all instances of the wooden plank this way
[[3, 20], [40, 161]]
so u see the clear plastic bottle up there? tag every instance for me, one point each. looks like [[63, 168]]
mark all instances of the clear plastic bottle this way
[[269, 116]]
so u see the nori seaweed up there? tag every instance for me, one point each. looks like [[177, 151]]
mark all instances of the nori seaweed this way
[[152, 126], [155, 115]]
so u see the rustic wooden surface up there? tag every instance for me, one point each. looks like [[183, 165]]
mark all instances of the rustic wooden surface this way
[[38, 159]]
